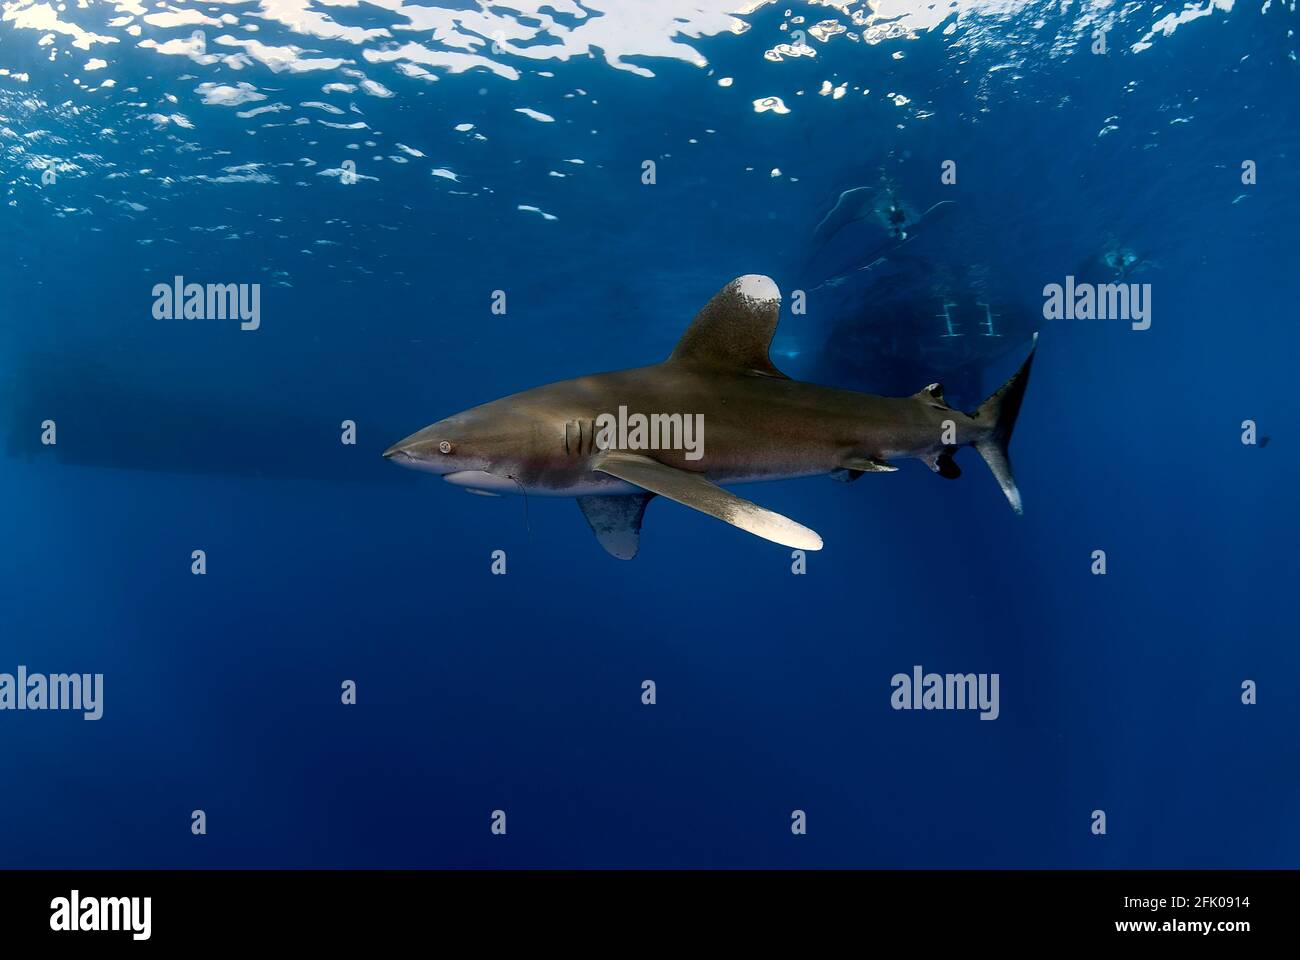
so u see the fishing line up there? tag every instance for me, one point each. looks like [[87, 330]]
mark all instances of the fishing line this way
[[528, 527]]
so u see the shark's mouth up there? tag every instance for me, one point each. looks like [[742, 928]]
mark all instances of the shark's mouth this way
[[405, 458], [482, 481]]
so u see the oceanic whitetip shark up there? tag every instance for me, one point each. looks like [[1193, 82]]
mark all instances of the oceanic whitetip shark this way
[[758, 425]]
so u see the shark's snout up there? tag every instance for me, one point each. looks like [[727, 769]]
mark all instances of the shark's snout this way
[[422, 452], [402, 450]]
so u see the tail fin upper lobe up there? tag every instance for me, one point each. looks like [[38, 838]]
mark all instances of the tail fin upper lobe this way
[[999, 413]]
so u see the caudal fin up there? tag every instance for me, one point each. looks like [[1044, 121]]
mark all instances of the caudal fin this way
[[999, 413]]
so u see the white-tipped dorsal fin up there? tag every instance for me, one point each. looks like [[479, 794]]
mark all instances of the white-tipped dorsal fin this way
[[735, 328]]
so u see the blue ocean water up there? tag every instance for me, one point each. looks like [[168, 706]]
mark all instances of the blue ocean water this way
[[506, 149]]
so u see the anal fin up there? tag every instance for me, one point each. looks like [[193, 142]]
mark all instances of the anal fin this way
[[942, 463]]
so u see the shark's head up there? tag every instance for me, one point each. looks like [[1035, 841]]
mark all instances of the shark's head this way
[[484, 448]]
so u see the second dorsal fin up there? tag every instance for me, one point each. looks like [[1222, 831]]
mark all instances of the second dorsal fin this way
[[934, 394], [735, 328]]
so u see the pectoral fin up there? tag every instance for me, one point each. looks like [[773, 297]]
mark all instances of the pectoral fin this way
[[694, 490], [616, 521]]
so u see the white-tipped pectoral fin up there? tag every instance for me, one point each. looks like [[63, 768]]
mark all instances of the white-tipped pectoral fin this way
[[695, 491]]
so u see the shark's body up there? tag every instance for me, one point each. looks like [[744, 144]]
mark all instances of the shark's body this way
[[757, 425]]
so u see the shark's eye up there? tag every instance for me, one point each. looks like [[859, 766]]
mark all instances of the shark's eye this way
[[445, 446]]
